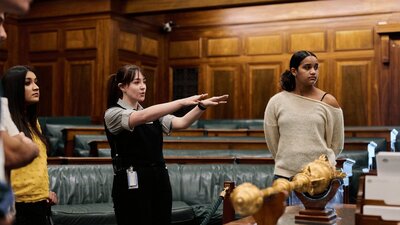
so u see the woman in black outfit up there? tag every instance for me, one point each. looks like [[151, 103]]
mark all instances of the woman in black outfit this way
[[141, 189]]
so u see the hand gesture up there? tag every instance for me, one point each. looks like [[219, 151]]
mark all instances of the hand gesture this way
[[216, 100], [193, 100]]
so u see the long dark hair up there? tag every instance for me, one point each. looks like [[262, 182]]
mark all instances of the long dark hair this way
[[124, 75], [288, 81], [24, 116]]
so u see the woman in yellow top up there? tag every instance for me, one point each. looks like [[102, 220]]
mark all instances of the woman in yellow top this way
[[30, 183]]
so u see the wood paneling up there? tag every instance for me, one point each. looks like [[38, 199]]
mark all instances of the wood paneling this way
[[79, 84], [235, 49], [325, 82], [152, 6], [294, 11], [264, 45], [385, 56], [184, 49], [3, 45], [353, 40], [225, 80], [45, 73], [57, 8], [150, 72], [264, 83], [149, 46], [223, 47], [353, 81], [82, 38], [394, 106], [127, 41], [43, 41], [315, 42]]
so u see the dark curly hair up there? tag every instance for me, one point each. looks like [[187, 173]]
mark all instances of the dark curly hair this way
[[288, 81]]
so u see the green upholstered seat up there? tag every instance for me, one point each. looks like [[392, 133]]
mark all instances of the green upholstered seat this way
[[79, 214], [81, 143], [84, 191]]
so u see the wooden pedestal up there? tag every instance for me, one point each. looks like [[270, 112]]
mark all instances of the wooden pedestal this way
[[310, 216], [315, 211]]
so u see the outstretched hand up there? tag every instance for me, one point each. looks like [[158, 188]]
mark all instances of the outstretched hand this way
[[193, 100], [216, 100]]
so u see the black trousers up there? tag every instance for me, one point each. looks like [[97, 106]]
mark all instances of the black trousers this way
[[150, 204], [36, 213]]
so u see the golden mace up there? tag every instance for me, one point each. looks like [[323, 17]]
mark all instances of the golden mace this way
[[314, 179]]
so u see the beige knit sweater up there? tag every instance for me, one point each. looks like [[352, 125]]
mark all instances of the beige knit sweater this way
[[298, 130]]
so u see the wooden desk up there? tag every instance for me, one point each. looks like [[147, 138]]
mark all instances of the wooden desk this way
[[370, 131], [196, 143], [356, 144], [227, 132], [241, 132], [69, 133], [344, 212], [192, 132]]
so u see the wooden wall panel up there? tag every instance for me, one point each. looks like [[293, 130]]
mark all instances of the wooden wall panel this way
[[324, 81], [230, 43], [223, 47], [394, 106], [79, 82], [264, 83], [225, 80], [3, 45], [384, 51], [353, 40], [45, 73], [80, 39], [264, 45], [127, 41], [43, 41], [353, 86], [149, 46], [184, 49], [150, 72], [315, 42]]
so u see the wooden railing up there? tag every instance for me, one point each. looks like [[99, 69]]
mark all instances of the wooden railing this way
[[70, 132]]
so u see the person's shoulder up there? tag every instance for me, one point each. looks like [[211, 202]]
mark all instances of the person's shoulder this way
[[275, 98], [331, 100], [112, 111], [280, 95]]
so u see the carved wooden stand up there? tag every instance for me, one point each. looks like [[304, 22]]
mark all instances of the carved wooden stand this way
[[315, 211]]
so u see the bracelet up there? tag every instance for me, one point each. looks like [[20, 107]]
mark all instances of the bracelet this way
[[201, 106]]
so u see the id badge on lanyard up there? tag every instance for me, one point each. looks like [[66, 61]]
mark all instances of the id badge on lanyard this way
[[132, 178]]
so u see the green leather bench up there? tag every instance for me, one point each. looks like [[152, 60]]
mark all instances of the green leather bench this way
[[85, 190], [52, 126], [230, 124]]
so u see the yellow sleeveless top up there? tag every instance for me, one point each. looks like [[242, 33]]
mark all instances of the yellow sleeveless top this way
[[31, 182]]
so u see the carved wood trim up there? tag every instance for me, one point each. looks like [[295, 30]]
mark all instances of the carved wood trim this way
[[388, 28], [385, 52]]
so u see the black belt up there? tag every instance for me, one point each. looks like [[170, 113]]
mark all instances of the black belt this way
[[120, 165]]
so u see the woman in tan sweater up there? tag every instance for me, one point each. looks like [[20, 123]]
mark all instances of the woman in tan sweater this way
[[302, 122]]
